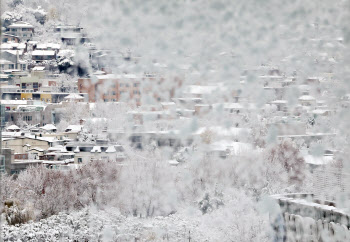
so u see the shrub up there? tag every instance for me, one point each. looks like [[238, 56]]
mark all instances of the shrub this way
[[16, 213]]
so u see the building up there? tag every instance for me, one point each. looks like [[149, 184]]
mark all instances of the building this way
[[42, 55], [71, 35], [87, 152], [48, 97], [23, 30], [31, 114], [9, 38], [112, 88], [23, 143]]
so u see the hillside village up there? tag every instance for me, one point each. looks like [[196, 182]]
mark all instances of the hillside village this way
[[39, 81], [67, 102]]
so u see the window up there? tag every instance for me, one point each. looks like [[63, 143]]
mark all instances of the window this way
[[121, 84], [136, 92], [2, 164], [136, 84], [80, 160], [113, 93]]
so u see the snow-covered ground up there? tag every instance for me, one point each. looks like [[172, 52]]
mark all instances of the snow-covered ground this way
[[109, 225]]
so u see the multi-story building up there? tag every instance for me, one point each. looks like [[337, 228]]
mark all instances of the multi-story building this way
[[111, 88], [9, 38], [21, 29], [71, 35], [29, 94]]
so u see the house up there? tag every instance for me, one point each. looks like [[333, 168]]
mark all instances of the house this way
[[13, 46], [6, 65], [11, 60], [74, 97], [9, 38], [42, 55], [6, 159], [13, 128], [30, 82], [12, 104], [22, 29], [31, 114], [50, 128], [72, 131], [48, 46], [35, 153], [87, 152], [24, 143], [10, 165], [71, 35], [307, 100]]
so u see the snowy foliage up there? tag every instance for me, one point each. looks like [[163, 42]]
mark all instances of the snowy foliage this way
[[258, 56]]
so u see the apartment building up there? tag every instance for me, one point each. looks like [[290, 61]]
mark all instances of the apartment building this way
[[111, 88], [21, 29]]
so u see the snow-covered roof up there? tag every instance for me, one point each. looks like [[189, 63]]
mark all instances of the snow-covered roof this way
[[99, 73], [74, 128], [318, 160], [173, 162], [67, 53], [20, 24], [4, 76], [167, 103], [111, 149], [37, 149], [279, 102], [38, 68], [234, 148], [320, 111], [48, 45], [306, 98], [13, 52], [43, 52], [5, 62], [49, 127], [222, 131], [60, 148], [13, 102], [196, 89], [67, 27], [229, 105], [47, 139], [73, 96], [12, 45], [115, 76], [68, 35], [7, 34], [96, 149], [12, 127]]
